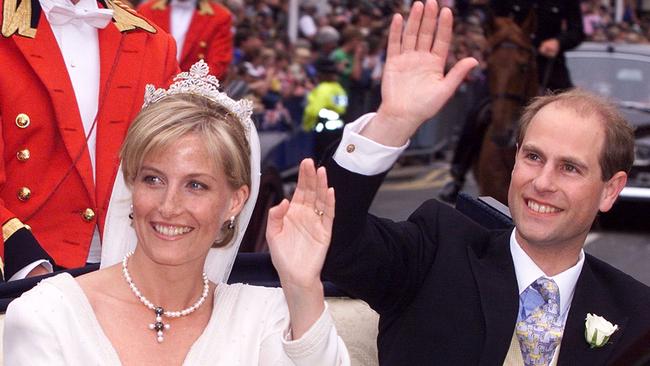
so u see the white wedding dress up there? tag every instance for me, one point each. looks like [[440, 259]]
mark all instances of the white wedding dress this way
[[54, 324]]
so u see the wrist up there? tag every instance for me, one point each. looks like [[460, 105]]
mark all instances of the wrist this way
[[387, 129], [301, 286]]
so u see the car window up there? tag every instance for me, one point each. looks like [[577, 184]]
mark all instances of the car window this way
[[612, 75]]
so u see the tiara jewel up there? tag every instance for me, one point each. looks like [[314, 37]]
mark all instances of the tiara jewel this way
[[198, 81]]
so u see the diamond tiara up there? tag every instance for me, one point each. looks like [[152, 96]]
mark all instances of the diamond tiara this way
[[198, 81]]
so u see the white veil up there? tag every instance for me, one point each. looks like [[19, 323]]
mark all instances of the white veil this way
[[119, 237]]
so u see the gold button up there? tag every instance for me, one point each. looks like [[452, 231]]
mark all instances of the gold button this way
[[22, 120], [24, 194], [350, 148], [88, 214], [201, 56], [203, 44], [23, 155]]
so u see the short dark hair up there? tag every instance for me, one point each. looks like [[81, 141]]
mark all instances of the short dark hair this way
[[618, 148]]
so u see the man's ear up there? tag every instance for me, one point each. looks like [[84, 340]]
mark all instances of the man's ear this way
[[613, 187]]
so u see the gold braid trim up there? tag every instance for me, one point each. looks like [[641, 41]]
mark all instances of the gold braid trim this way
[[10, 227], [17, 19], [126, 18]]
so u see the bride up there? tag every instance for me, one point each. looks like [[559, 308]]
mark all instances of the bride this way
[[191, 162]]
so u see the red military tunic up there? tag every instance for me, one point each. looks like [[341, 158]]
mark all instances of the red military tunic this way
[[46, 178], [209, 36]]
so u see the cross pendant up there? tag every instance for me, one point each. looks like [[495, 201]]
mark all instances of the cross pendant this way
[[159, 326]]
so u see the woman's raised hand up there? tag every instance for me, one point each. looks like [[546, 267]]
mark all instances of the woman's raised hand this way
[[299, 233], [414, 85]]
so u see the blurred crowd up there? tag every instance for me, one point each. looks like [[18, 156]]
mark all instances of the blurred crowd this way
[[340, 48]]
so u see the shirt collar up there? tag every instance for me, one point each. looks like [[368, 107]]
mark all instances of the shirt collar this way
[[527, 272], [188, 4]]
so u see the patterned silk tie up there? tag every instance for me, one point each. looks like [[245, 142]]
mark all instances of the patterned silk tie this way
[[541, 332]]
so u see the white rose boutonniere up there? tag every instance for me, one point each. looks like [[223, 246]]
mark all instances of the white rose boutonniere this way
[[598, 330]]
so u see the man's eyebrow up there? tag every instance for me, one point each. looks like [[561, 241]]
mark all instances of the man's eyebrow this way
[[528, 147], [532, 148], [573, 161]]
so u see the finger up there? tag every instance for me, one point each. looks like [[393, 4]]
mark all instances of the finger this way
[[394, 37], [310, 184], [443, 36], [457, 74], [306, 174], [412, 26], [428, 26], [275, 220], [329, 209], [321, 196]]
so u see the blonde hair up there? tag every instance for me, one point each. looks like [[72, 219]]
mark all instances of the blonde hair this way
[[164, 122]]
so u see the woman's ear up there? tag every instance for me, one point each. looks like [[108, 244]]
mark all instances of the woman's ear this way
[[239, 198]]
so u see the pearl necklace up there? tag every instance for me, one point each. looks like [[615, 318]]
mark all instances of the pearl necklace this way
[[159, 326]]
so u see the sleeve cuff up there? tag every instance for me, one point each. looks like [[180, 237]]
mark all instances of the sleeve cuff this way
[[22, 250], [25, 270], [314, 343], [361, 155]]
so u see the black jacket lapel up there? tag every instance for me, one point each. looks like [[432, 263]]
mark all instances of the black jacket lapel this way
[[590, 296], [494, 272]]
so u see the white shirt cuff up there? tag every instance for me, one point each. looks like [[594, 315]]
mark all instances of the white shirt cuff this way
[[362, 155], [28, 268], [320, 345]]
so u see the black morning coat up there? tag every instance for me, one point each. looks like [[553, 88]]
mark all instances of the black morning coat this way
[[445, 288]]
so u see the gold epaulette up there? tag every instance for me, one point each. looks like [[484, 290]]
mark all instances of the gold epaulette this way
[[17, 19], [126, 18], [205, 8], [11, 226], [159, 5]]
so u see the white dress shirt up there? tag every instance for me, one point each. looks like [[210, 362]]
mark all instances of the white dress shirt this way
[[361, 155], [527, 272], [180, 19]]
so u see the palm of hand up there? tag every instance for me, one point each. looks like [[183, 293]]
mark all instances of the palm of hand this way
[[299, 245], [409, 73], [414, 83], [298, 234]]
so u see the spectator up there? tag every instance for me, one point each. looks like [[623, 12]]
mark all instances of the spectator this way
[[344, 55], [325, 107], [201, 28]]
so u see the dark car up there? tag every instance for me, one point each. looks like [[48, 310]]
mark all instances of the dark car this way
[[622, 73]]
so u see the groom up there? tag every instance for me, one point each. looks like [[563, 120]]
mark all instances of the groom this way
[[450, 292]]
